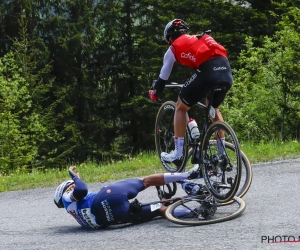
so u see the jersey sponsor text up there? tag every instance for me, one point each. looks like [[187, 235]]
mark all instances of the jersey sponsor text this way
[[189, 56], [107, 210], [219, 68]]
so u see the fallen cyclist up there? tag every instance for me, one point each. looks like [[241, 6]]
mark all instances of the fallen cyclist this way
[[111, 205]]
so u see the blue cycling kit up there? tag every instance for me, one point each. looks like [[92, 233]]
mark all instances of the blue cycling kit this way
[[109, 206]]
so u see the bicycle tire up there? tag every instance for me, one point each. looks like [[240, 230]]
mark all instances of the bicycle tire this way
[[222, 214], [164, 133], [221, 170], [246, 173], [246, 179]]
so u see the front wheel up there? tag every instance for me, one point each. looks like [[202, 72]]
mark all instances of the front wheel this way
[[221, 167], [246, 173], [164, 136]]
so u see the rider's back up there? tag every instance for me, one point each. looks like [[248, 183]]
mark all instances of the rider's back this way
[[192, 50]]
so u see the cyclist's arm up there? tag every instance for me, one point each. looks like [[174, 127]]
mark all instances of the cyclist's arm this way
[[76, 193], [168, 63], [165, 72]]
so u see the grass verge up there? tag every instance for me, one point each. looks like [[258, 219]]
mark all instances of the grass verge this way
[[142, 164]]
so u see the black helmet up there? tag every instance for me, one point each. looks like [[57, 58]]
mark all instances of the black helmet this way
[[175, 28]]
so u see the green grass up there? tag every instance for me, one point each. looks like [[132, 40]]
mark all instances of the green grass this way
[[271, 151], [141, 165]]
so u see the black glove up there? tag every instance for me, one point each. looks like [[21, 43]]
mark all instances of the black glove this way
[[135, 206], [158, 86]]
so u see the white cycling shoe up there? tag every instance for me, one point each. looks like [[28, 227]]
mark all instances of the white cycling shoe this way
[[171, 158]]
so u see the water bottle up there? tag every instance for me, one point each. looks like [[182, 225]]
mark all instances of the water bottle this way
[[194, 128], [190, 187]]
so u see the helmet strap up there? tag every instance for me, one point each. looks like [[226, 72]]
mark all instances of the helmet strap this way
[[174, 37]]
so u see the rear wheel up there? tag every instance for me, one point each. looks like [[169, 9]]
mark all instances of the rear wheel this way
[[246, 173], [221, 167], [164, 136], [186, 211]]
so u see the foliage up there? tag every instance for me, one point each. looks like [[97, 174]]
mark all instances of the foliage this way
[[265, 97], [19, 144], [82, 70], [27, 113]]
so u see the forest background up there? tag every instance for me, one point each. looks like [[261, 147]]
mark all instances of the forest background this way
[[75, 75]]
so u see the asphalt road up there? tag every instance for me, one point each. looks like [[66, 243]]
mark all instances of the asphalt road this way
[[30, 220]]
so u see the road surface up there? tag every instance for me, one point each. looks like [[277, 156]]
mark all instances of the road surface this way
[[30, 220]]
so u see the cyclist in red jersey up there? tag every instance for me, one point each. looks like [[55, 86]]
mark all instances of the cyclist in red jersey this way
[[209, 61]]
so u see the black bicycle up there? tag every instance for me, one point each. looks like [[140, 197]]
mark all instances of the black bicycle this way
[[221, 171]]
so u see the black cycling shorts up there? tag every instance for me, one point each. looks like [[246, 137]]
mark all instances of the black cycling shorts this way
[[209, 75]]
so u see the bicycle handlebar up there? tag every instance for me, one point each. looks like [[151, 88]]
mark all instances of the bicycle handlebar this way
[[174, 85]]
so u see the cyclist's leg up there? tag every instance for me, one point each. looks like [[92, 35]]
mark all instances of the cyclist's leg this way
[[131, 187], [218, 114], [146, 213], [222, 77], [217, 100], [179, 133], [189, 95], [137, 213], [111, 205], [221, 134], [162, 179], [180, 118]]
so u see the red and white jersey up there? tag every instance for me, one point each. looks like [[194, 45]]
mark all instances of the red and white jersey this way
[[190, 51]]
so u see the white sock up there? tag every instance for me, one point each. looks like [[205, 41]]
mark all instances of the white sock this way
[[179, 142], [172, 177]]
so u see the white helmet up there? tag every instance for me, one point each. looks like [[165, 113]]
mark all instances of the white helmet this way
[[60, 191]]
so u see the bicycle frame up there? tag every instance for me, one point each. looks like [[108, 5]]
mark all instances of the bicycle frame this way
[[209, 110]]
